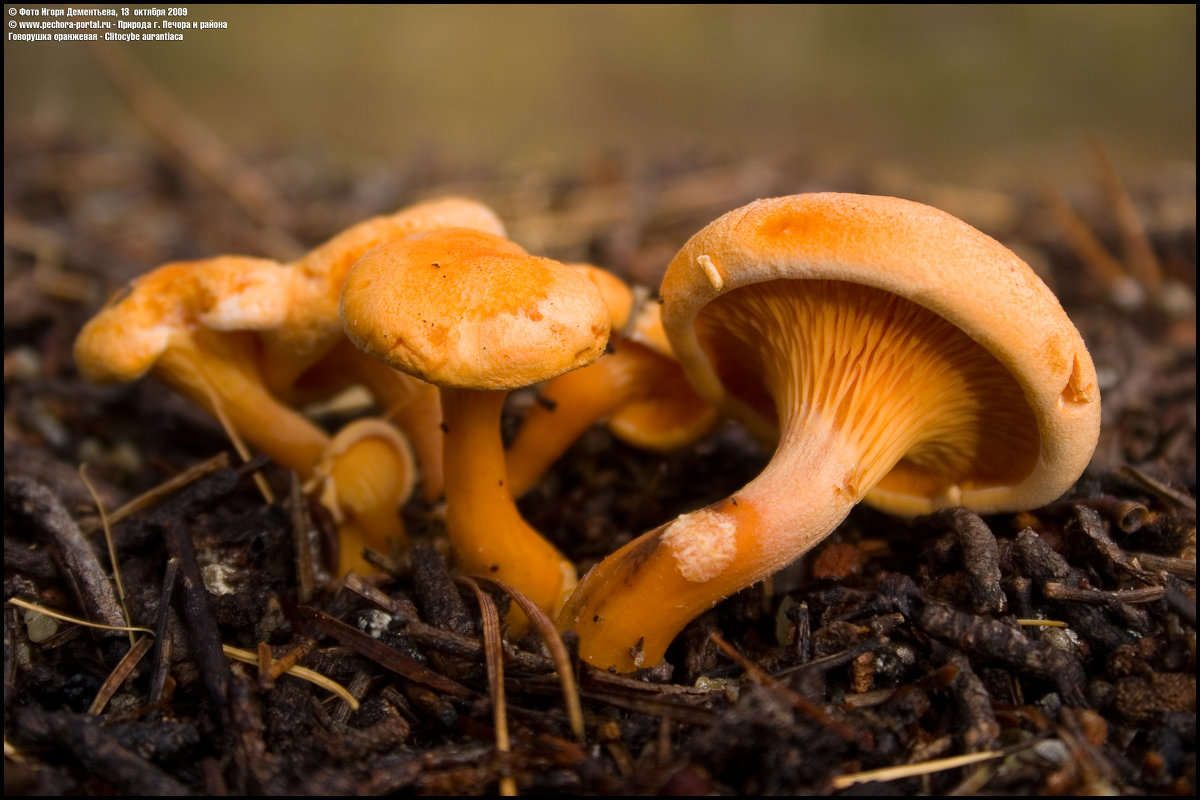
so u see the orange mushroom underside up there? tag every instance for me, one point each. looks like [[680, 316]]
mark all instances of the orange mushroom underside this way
[[868, 389]]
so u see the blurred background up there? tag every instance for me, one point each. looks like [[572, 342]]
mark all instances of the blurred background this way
[[976, 95]]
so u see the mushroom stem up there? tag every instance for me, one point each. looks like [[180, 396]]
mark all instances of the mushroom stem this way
[[572, 403], [683, 568], [211, 366], [487, 532]]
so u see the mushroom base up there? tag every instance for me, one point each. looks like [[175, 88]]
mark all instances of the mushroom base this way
[[629, 607]]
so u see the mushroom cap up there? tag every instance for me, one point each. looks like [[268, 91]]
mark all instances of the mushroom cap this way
[[472, 310], [674, 415], [931, 259], [617, 294], [294, 307], [126, 337], [328, 263]]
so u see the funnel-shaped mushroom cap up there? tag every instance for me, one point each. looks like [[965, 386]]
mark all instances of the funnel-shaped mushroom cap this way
[[466, 309], [1033, 420], [364, 476], [171, 322]]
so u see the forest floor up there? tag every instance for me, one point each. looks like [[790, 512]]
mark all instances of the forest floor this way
[[882, 649]]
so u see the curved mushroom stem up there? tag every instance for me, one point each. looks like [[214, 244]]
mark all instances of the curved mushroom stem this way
[[859, 380], [210, 367], [412, 403], [642, 394], [569, 405], [489, 536], [629, 608]]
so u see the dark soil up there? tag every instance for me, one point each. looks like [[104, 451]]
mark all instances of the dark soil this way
[[896, 642]]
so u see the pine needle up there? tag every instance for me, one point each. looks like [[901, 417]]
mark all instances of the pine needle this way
[[246, 657], [558, 651], [494, 656], [108, 540]]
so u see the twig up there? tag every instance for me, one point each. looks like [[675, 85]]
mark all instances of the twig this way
[[160, 492], [387, 657], [77, 561], [436, 638], [87, 740], [108, 540], [808, 709], [1180, 567], [1158, 487], [301, 543], [162, 639]]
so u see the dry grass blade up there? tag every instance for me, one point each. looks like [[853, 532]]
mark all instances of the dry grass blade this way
[[1138, 251], [238, 444], [246, 657], [558, 651], [494, 656], [16, 601], [120, 673], [912, 770], [278, 666], [1104, 268]]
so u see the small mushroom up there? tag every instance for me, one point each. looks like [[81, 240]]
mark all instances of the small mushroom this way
[[895, 355], [638, 389], [162, 324], [476, 315], [363, 477]]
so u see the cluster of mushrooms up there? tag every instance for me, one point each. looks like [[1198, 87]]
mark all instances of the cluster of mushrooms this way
[[888, 352]]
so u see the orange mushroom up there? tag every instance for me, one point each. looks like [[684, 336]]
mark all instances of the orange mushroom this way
[[476, 315], [247, 339], [894, 353], [363, 477], [157, 325]]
